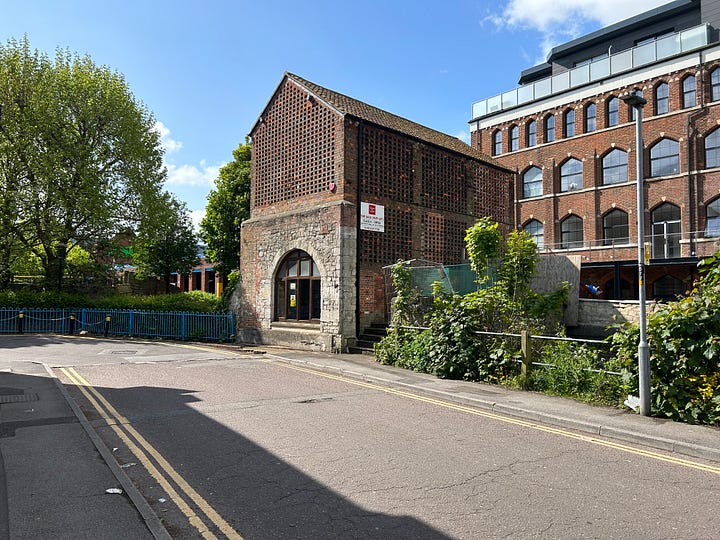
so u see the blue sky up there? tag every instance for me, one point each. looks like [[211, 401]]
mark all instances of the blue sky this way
[[206, 68]]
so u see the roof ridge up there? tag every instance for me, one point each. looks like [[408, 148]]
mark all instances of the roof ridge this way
[[370, 113]]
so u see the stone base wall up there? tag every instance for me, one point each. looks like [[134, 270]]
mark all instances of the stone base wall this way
[[323, 233], [595, 317], [297, 336], [552, 270]]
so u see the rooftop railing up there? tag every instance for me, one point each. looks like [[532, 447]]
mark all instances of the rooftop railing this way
[[614, 64]]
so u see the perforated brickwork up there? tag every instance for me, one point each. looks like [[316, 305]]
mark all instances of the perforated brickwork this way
[[492, 194], [394, 244], [387, 165], [443, 186], [443, 239], [294, 148]]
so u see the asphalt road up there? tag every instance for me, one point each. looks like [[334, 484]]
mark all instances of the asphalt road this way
[[244, 444]]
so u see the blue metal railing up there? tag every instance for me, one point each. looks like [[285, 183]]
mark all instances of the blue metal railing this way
[[119, 322]]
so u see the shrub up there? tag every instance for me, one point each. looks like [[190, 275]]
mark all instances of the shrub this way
[[190, 301], [684, 341], [571, 371]]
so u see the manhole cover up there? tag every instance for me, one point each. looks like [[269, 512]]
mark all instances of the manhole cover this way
[[17, 398]]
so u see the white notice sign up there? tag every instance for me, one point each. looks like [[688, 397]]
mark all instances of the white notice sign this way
[[372, 217]]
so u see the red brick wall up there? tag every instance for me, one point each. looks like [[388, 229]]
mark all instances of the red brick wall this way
[[430, 195], [297, 153], [596, 200]]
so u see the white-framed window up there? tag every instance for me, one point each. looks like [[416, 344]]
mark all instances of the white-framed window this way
[[571, 177], [532, 182], [664, 158], [536, 230], [615, 167], [571, 232]]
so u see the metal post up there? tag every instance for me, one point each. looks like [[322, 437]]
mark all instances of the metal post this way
[[637, 102]]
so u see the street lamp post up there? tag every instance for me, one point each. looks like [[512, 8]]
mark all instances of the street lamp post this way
[[636, 101]]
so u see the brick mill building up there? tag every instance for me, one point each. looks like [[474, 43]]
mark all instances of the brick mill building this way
[[570, 137], [341, 189]]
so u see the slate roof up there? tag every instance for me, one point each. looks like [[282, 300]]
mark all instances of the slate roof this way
[[349, 106]]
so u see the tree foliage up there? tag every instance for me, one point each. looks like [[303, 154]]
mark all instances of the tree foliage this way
[[79, 155], [228, 206], [166, 242]]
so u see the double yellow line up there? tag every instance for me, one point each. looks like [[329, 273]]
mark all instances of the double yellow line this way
[[510, 420], [148, 456]]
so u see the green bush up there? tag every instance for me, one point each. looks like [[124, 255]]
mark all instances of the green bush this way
[[571, 371], [452, 347], [190, 301], [684, 341]]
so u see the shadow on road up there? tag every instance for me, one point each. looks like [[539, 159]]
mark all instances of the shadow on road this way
[[259, 494]]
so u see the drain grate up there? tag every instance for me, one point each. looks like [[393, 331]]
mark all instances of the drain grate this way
[[123, 352], [17, 398]]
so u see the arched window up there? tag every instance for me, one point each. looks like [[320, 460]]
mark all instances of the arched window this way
[[712, 149], [689, 93], [532, 182], [665, 158], [662, 98], [497, 143], [514, 138], [715, 84], [668, 288], [590, 117], [613, 111], [297, 289], [569, 122], [571, 175], [532, 133], [571, 232], [550, 128], [712, 219], [615, 167], [536, 230], [666, 231], [615, 228]]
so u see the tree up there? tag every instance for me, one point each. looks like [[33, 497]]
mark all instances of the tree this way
[[228, 206], [166, 242], [80, 155]]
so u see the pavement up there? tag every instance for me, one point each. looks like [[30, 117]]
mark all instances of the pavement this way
[[55, 470]]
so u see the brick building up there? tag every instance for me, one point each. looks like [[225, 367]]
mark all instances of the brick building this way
[[570, 137], [311, 256]]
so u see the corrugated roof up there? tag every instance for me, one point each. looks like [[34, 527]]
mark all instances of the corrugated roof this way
[[358, 109]]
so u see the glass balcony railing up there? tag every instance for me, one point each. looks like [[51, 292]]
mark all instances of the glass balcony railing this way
[[663, 47]]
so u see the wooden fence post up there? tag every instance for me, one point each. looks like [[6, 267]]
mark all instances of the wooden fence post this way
[[526, 351]]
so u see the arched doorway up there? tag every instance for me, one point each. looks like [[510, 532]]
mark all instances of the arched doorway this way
[[297, 289]]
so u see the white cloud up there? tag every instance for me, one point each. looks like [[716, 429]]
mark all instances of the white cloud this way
[[185, 174], [197, 216], [169, 144], [562, 20], [191, 175], [464, 136]]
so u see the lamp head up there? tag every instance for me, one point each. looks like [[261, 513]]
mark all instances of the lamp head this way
[[634, 98]]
